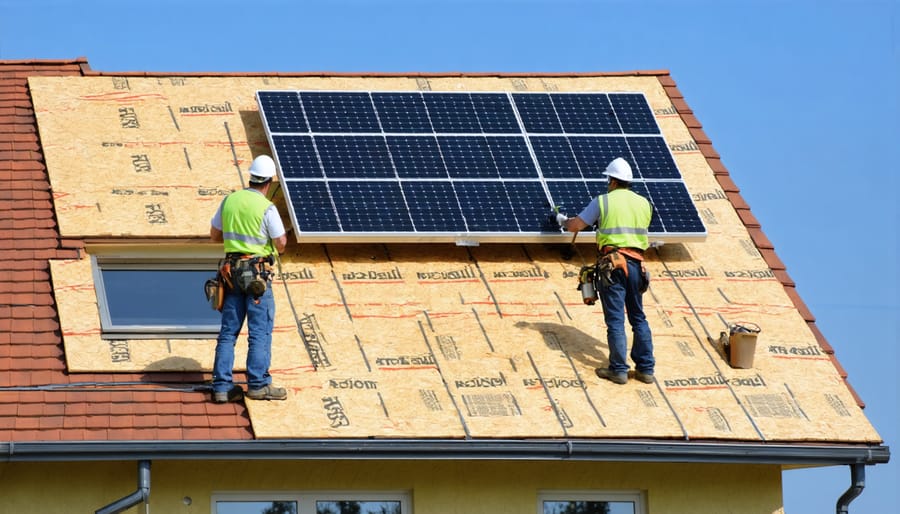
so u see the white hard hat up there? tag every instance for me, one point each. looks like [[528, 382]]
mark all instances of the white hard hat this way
[[262, 169], [619, 169]]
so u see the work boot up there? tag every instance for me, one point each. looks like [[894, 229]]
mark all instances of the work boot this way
[[646, 378], [235, 394], [268, 392], [612, 376]]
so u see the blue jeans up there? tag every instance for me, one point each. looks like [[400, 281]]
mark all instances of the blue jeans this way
[[624, 295], [260, 322]]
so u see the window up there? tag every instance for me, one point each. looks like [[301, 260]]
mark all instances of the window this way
[[311, 503], [591, 503], [256, 507], [358, 507], [152, 295]]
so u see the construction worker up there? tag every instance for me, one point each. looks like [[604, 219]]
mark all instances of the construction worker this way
[[252, 232], [623, 218]]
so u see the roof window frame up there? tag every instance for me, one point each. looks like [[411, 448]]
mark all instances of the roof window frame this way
[[150, 257]]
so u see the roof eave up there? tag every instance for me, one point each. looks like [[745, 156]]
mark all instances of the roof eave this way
[[428, 449]]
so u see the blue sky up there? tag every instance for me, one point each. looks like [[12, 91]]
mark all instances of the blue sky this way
[[801, 99]]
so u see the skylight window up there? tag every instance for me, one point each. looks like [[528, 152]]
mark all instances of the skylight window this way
[[141, 296]]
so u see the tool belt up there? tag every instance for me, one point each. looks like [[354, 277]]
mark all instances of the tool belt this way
[[610, 260], [250, 274]]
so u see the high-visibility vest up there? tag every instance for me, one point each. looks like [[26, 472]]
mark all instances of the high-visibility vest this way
[[624, 219], [242, 222]]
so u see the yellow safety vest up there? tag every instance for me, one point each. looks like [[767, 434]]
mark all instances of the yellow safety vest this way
[[243, 213], [624, 219]]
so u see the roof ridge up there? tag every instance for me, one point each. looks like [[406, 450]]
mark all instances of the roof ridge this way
[[472, 74]]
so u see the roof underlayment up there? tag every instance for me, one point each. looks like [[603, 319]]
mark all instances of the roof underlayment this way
[[435, 341]]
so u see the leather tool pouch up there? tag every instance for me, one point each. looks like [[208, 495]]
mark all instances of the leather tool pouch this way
[[609, 262], [215, 293], [214, 288]]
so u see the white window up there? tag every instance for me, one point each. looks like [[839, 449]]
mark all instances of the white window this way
[[148, 293], [312, 502], [584, 502]]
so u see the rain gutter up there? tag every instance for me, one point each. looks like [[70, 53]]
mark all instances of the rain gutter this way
[[443, 449]]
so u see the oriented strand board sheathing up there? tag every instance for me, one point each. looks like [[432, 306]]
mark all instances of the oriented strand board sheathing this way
[[433, 340], [85, 349]]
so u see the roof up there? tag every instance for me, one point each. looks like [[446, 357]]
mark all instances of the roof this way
[[50, 393]]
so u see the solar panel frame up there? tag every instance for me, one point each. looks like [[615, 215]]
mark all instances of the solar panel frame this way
[[468, 167]]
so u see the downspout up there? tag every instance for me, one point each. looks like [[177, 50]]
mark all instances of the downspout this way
[[141, 495], [858, 483]]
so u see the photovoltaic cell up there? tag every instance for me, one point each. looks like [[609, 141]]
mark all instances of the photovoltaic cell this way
[[402, 112], [538, 113], [555, 156], [433, 206], [595, 153], [585, 114], [495, 113], [652, 159], [529, 204], [339, 112], [486, 206], [674, 213], [370, 206], [311, 204], [360, 157], [633, 113], [511, 157], [569, 195], [416, 156], [452, 113], [467, 157], [284, 113], [437, 165], [297, 156]]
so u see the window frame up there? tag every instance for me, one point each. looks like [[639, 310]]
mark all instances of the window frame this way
[[638, 497], [306, 500], [166, 257]]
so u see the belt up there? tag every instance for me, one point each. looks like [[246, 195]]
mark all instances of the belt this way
[[606, 249]]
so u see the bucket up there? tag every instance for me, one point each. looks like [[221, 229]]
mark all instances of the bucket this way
[[742, 344]]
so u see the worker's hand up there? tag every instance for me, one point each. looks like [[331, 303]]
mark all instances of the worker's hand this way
[[561, 219]]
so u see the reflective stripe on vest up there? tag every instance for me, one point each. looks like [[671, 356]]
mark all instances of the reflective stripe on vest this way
[[624, 219], [243, 214]]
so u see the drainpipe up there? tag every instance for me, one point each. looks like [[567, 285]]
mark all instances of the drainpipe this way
[[858, 479], [141, 495]]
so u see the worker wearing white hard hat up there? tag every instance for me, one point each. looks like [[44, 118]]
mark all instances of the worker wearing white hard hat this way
[[619, 169], [262, 169], [623, 218], [251, 230]]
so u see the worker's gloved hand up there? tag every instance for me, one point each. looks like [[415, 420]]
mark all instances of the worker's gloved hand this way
[[561, 219]]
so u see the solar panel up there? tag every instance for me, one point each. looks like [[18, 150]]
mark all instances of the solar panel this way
[[464, 167]]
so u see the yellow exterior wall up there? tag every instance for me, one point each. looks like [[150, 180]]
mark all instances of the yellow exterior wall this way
[[436, 487]]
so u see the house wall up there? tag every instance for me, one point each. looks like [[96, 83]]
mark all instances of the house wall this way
[[437, 487]]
